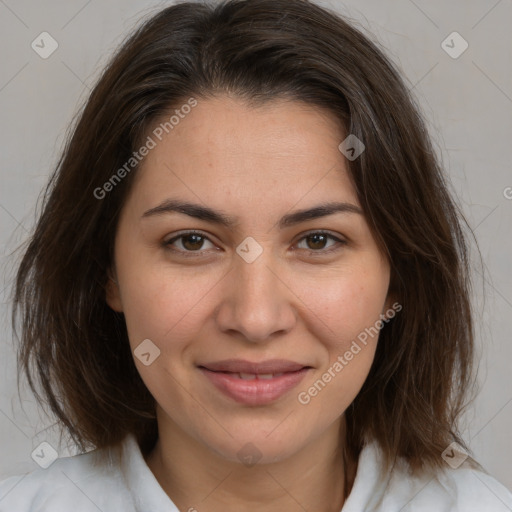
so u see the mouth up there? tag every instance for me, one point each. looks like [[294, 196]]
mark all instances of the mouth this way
[[252, 376], [254, 383]]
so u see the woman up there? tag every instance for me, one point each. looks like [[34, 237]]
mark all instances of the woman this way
[[249, 286]]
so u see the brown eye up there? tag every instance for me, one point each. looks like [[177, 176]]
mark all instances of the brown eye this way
[[317, 242], [188, 242], [192, 242]]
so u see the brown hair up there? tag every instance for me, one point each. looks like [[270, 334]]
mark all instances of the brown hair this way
[[76, 348]]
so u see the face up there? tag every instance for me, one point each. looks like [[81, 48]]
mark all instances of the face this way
[[256, 290]]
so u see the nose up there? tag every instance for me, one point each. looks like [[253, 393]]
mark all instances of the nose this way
[[257, 303]]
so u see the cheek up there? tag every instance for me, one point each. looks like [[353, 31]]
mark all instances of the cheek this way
[[342, 305], [345, 313], [166, 306], [162, 304]]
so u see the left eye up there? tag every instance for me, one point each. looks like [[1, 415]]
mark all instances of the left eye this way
[[193, 242], [318, 240]]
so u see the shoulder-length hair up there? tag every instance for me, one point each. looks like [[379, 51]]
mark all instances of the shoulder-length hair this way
[[74, 348]]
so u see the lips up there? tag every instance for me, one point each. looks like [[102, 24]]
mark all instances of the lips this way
[[269, 367], [254, 383]]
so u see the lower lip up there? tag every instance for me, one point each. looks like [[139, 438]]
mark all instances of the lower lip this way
[[255, 391]]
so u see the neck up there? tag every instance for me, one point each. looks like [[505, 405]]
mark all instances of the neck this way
[[317, 477]]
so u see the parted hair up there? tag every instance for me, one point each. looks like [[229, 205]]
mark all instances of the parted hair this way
[[74, 349]]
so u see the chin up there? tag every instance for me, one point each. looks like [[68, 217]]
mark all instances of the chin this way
[[251, 446]]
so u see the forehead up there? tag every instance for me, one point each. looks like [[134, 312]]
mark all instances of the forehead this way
[[281, 151]]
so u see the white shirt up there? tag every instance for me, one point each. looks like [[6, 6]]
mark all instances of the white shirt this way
[[123, 482]]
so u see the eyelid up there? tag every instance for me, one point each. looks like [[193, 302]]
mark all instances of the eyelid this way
[[339, 239], [167, 243]]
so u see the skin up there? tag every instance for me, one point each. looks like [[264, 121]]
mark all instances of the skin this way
[[255, 164]]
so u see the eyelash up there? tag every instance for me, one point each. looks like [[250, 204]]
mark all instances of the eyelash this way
[[193, 254]]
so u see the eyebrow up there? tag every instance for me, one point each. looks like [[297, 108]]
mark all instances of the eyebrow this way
[[217, 217]]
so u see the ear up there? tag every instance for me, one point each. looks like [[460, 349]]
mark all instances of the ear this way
[[388, 305], [112, 293], [392, 305], [392, 302]]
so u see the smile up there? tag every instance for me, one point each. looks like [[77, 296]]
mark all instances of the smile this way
[[254, 388]]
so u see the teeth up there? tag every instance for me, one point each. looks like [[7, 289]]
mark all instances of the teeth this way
[[261, 376], [247, 376]]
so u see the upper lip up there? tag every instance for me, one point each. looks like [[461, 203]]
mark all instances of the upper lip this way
[[264, 367]]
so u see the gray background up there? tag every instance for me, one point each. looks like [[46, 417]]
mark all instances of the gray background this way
[[467, 102]]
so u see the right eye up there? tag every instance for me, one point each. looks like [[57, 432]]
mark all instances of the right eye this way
[[191, 242]]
